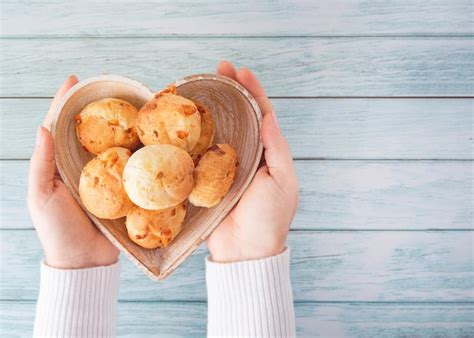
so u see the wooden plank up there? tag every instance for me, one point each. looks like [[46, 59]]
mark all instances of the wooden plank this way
[[332, 128], [287, 66], [384, 320], [385, 195], [326, 266], [312, 320], [134, 319], [249, 18]]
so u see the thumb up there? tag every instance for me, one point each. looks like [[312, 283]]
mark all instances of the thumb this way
[[277, 152], [42, 168]]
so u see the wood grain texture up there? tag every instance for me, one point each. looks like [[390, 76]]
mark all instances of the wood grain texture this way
[[249, 18], [312, 320], [387, 195], [318, 128], [326, 266], [345, 49], [286, 66]]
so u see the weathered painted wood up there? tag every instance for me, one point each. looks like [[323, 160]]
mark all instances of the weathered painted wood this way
[[63, 18], [312, 320], [318, 128], [387, 195], [326, 266], [384, 320], [336, 267], [287, 66]]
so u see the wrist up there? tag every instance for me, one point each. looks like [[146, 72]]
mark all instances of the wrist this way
[[68, 264], [241, 253], [96, 258]]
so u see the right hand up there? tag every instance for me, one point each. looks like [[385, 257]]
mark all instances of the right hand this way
[[258, 225], [68, 237]]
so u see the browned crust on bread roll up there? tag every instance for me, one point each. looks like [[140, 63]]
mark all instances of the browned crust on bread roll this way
[[107, 123], [208, 131], [168, 90], [169, 119], [100, 185], [153, 229], [214, 175]]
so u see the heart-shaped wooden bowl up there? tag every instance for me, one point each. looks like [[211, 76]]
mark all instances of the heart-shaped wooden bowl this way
[[238, 120]]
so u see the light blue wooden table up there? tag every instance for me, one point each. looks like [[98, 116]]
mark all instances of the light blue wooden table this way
[[376, 99]]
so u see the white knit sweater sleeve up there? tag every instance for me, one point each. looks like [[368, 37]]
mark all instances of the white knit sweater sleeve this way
[[245, 299], [77, 303], [250, 298]]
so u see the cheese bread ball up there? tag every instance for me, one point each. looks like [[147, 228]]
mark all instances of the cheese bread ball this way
[[207, 133], [153, 229], [100, 185], [169, 119], [158, 176], [214, 176], [107, 123]]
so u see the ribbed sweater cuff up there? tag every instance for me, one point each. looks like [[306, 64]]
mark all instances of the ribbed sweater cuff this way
[[77, 303], [250, 298]]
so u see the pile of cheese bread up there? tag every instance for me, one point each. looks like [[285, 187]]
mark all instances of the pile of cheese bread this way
[[148, 162]]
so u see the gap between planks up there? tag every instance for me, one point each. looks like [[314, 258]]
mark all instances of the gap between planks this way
[[296, 302], [413, 35]]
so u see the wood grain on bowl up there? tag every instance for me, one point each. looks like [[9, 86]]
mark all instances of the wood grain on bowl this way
[[238, 120]]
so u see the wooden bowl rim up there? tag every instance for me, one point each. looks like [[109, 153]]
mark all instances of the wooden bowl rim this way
[[225, 210]]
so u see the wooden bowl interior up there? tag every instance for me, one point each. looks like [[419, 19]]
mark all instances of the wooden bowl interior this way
[[237, 122]]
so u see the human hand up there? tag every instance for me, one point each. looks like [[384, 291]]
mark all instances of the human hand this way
[[258, 225], [68, 237]]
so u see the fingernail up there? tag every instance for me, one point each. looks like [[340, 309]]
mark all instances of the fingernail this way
[[72, 78], [39, 136], [275, 120]]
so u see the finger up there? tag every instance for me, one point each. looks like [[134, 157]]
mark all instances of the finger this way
[[70, 81], [277, 152], [42, 167], [227, 69], [251, 83]]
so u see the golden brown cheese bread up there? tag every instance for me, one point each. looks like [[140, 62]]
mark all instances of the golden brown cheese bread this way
[[207, 133], [100, 186], [168, 90], [153, 229], [158, 176], [169, 119], [107, 123], [214, 175]]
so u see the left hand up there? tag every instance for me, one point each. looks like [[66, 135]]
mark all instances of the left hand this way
[[68, 237]]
